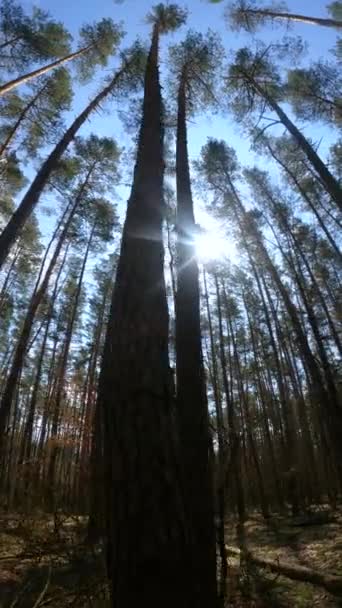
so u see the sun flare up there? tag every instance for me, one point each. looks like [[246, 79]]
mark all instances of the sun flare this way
[[212, 243], [210, 246]]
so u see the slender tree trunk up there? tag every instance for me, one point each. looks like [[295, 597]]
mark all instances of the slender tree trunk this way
[[27, 437], [300, 281], [19, 121], [245, 408], [333, 329], [309, 466], [222, 448], [285, 228], [332, 413], [308, 200], [60, 386], [233, 431], [328, 180], [27, 440], [88, 442], [12, 84], [31, 198], [36, 299], [330, 183], [192, 409], [281, 386], [6, 282], [51, 381], [96, 522], [335, 23]]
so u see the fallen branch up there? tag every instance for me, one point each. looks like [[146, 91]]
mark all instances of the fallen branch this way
[[329, 582]]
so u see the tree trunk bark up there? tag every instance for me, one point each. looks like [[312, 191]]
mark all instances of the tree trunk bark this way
[[192, 408], [149, 561]]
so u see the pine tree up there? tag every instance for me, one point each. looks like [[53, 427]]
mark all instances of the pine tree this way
[[195, 61], [146, 563], [253, 82], [34, 119], [130, 67], [101, 40]]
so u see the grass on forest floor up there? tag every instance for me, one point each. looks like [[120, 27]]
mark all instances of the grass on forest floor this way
[[44, 562]]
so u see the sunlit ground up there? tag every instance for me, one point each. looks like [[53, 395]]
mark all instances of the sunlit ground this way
[[213, 243]]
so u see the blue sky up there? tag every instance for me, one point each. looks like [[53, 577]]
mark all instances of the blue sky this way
[[201, 16]]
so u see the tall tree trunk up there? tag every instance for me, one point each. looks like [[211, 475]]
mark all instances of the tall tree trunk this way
[[60, 386], [246, 411], [31, 198], [335, 23], [332, 415], [96, 522], [36, 299], [232, 421], [222, 448], [28, 430], [302, 289], [281, 218], [12, 84], [88, 420], [192, 409], [148, 550], [286, 408], [327, 179], [307, 198]]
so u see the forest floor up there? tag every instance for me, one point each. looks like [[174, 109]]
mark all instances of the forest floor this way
[[282, 540], [46, 562]]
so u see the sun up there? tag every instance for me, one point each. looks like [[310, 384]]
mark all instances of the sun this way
[[210, 246], [211, 242]]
